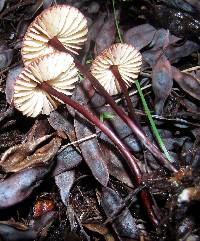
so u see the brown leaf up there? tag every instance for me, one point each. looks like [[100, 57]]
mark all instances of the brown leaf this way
[[25, 155], [161, 82], [187, 82], [97, 228]]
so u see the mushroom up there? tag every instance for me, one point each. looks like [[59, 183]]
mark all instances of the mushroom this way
[[56, 69], [122, 58], [66, 23]]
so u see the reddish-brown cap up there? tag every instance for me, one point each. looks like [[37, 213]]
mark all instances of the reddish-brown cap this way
[[67, 23], [126, 57], [57, 69]]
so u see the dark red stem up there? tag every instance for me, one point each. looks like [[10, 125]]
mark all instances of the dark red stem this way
[[130, 159], [54, 42], [124, 89]]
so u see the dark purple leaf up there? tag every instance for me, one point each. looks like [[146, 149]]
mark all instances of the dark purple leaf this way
[[91, 151], [40, 224], [187, 82], [61, 122], [106, 35], [2, 3], [194, 3], [67, 160], [9, 232], [47, 3], [6, 56], [161, 82], [174, 54], [10, 81], [124, 225], [64, 182], [140, 36], [19, 186]]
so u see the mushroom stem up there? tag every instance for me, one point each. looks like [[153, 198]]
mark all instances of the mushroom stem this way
[[54, 42], [124, 89], [130, 159]]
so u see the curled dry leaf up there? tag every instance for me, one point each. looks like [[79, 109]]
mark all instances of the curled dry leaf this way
[[58, 70], [128, 60], [27, 155], [187, 82], [161, 82], [101, 229], [67, 23], [20, 185]]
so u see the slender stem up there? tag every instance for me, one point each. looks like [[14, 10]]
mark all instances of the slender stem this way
[[124, 89], [152, 123], [130, 159], [54, 42]]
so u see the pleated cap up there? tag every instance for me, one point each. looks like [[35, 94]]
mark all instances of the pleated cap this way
[[56, 69], [126, 57], [65, 22]]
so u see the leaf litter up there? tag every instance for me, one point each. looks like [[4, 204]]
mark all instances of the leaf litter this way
[[67, 158]]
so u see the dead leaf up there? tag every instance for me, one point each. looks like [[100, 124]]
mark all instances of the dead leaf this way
[[100, 229], [25, 155], [64, 182], [140, 36], [124, 224], [20, 185], [10, 81], [187, 82], [161, 82], [92, 151], [12, 232], [106, 35], [67, 159], [6, 56]]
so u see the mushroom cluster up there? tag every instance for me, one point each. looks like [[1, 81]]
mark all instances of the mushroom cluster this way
[[59, 29], [43, 63]]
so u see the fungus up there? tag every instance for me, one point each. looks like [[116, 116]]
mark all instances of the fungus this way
[[122, 58], [54, 42], [66, 23], [56, 69]]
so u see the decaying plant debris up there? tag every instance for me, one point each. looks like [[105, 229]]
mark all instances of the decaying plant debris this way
[[61, 177]]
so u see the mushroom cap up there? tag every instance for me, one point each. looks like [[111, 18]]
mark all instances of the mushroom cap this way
[[67, 23], [126, 57], [56, 69]]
